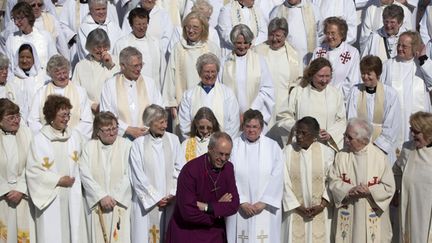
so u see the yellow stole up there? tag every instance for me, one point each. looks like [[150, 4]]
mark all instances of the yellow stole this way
[[191, 146], [318, 176], [70, 92], [123, 101], [253, 75], [378, 113]]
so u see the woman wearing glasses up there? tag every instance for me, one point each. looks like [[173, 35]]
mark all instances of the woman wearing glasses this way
[[104, 175], [53, 178]]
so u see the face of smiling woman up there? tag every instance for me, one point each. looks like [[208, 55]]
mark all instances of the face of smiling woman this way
[[208, 74]]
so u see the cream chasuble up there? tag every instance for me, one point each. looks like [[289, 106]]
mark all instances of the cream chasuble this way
[[104, 172], [362, 220], [259, 177], [155, 164], [59, 213], [326, 106], [305, 183], [16, 223], [413, 176]]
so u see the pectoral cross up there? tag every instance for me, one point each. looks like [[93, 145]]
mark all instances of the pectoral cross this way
[[345, 178], [243, 237], [46, 163], [23, 237], [345, 57], [374, 181], [262, 237], [321, 53], [75, 156], [215, 188], [154, 234]]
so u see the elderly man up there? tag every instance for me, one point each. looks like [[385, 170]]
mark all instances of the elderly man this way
[[206, 193], [212, 94], [97, 18], [383, 42], [128, 93], [303, 19], [362, 184]]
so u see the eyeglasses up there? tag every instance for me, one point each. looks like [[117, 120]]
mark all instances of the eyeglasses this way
[[195, 28], [64, 116], [37, 4], [210, 128], [109, 130], [18, 18], [301, 133], [11, 118]]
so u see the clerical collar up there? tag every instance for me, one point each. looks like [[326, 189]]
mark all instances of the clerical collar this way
[[27, 72], [336, 46], [83, 1], [429, 145], [156, 135], [207, 88], [370, 90]]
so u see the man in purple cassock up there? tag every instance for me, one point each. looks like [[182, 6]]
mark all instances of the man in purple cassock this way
[[206, 194]]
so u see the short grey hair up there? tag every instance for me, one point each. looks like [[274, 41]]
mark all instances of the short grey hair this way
[[153, 113], [127, 53], [97, 37], [203, 7], [93, 2], [362, 128], [278, 24], [57, 62], [207, 58], [244, 30], [4, 61], [214, 138]]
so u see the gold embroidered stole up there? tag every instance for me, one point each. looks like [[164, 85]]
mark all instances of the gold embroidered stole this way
[[217, 105], [238, 18], [48, 23], [123, 100], [191, 145], [70, 92], [253, 75], [182, 64], [378, 113], [318, 177]]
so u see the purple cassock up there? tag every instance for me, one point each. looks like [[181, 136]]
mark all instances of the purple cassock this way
[[199, 182]]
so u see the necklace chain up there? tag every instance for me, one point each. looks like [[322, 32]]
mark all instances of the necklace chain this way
[[215, 188]]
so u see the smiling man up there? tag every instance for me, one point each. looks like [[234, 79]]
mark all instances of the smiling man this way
[[206, 194]]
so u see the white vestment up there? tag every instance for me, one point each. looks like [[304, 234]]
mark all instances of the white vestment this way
[[88, 24], [345, 60], [381, 44], [194, 147], [327, 107], [59, 211], [250, 79], [181, 73], [426, 24], [11, 91], [152, 55], [217, 6], [412, 174], [109, 99], [259, 178], [412, 83], [362, 220], [91, 75], [76, 95], [155, 164], [304, 27], [390, 125], [104, 172], [233, 14], [16, 223], [310, 175], [220, 99]]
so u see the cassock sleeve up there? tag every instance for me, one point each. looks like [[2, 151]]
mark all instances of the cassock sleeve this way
[[122, 191], [399, 165], [85, 125], [33, 119], [382, 193], [351, 19], [185, 115], [353, 75], [225, 209], [232, 112], [179, 161], [426, 70], [107, 103], [337, 129], [287, 117], [224, 26], [168, 87], [338, 188], [272, 195]]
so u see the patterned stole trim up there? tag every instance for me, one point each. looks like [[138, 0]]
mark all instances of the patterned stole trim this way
[[238, 18], [123, 100], [253, 75], [378, 113], [191, 146], [318, 174]]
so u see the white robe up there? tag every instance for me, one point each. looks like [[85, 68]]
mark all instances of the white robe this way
[[327, 107], [259, 176], [391, 124], [359, 219], [412, 174], [35, 121], [16, 223], [88, 24], [104, 173], [109, 99], [217, 6], [190, 152], [181, 69], [12, 91], [91, 75], [297, 34], [244, 80], [154, 176], [153, 55], [381, 45], [412, 83], [290, 201], [345, 61], [59, 211], [426, 24], [231, 117]]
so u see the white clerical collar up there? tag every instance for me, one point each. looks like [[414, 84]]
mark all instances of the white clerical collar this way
[[299, 5]]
